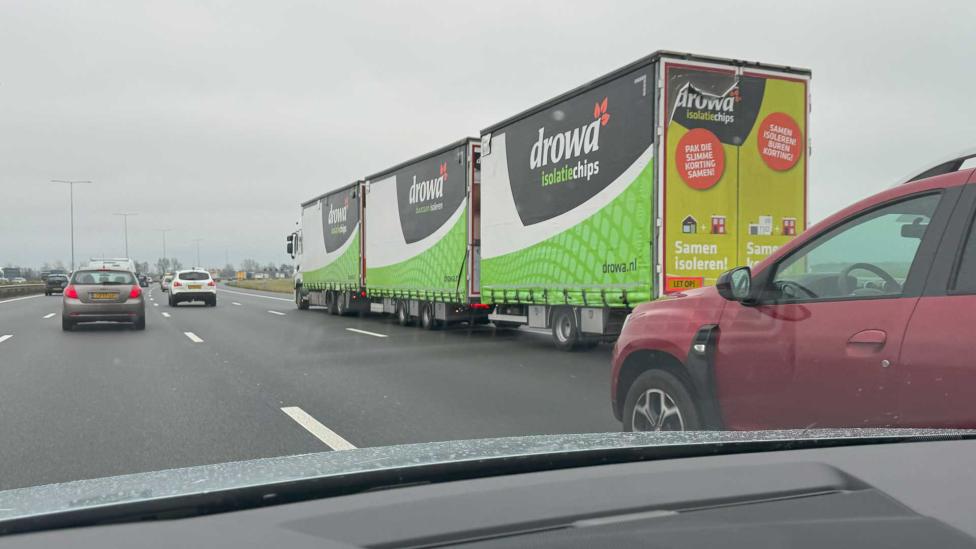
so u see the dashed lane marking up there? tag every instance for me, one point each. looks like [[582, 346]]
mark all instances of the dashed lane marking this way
[[321, 432], [364, 332]]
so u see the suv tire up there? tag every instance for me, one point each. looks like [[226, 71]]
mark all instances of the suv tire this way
[[655, 391]]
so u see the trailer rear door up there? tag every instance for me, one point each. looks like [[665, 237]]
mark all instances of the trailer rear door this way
[[734, 169]]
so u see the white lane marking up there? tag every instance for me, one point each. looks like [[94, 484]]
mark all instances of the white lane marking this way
[[256, 295], [235, 303], [166, 315], [33, 296], [49, 315], [5, 337], [152, 299], [193, 337], [279, 313], [321, 432], [155, 304], [374, 334]]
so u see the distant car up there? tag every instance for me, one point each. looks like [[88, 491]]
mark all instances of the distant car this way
[[143, 280], [193, 285], [19, 280], [103, 295], [164, 283], [55, 284]]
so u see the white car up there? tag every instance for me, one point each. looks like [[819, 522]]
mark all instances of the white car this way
[[19, 280], [164, 283], [193, 285]]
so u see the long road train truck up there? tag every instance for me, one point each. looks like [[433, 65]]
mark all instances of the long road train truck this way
[[651, 180]]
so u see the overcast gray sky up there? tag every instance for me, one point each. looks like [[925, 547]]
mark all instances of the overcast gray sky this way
[[216, 118]]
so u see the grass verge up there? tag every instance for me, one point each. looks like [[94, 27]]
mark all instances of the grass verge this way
[[280, 285]]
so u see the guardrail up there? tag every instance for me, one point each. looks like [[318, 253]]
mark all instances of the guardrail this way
[[10, 290]]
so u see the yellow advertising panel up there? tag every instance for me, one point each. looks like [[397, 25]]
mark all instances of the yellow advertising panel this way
[[735, 170], [772, 171]]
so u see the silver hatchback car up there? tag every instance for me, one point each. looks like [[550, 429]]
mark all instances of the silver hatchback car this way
[[103, 295]]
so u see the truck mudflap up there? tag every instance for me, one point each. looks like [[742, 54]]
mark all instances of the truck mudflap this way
[[700, 366]]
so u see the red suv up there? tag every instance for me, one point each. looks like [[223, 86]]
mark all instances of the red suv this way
[[868, 319]]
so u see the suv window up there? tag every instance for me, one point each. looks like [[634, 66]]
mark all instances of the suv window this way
[[196, 275], [868, 256]]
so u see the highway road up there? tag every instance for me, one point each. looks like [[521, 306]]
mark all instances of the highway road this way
[[255, 377]]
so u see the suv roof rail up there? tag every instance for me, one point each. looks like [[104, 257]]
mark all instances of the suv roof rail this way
[[953, 163]]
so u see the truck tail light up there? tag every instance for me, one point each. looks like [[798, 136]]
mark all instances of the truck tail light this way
[[71, 292], [135, 292], [480, 306]]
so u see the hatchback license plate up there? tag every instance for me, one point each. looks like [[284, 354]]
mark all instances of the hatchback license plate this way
[[104, 295], [196, 286]]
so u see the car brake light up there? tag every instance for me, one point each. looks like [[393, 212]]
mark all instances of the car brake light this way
[[135, 292], [211, 283], [177, 283], [71, 292]]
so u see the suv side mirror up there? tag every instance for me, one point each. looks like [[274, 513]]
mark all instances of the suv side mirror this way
[[735, 285]]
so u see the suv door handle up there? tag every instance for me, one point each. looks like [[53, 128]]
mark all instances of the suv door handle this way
[[868, 337]]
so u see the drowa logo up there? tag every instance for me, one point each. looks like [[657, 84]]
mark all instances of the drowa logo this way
[[708, 107], [429, 189], [337, 218], [568, 146]]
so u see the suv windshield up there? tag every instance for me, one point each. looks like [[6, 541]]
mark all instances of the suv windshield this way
[[194, 275], [103, 278]]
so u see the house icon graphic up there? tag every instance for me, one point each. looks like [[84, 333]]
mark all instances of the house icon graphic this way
[[689, 225]]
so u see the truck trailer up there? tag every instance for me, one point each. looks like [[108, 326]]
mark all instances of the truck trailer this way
[[422, 238], [651, 180], [647, 182], [328, 251]]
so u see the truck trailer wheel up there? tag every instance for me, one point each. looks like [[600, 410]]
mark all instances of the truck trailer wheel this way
[[427, 320], [402, 314], [330, 302], [300, 302], [341, 307], [565, 332]]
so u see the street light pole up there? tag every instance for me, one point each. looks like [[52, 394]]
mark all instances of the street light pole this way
[[71, 193], [125, 225], [198, 240], [164, 231]]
